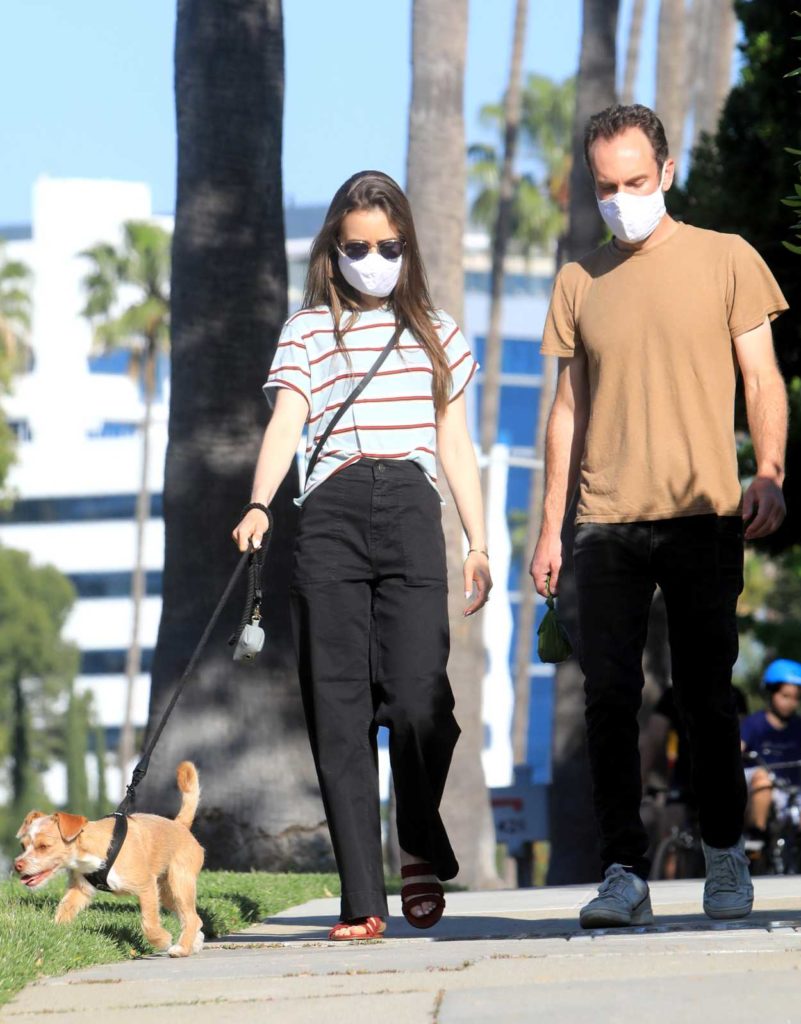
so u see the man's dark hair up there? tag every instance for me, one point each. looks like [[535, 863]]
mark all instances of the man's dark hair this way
[[617, 119]]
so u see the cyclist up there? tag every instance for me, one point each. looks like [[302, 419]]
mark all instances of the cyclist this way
[[773, 736]]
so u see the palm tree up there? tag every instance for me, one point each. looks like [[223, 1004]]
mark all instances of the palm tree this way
[[15, 312], [714, 26], [242, 725], [512, 107], [572, 828], [633, 51], [672, 92], [140, 269], [539, 206], [595, 89], [436, 188]]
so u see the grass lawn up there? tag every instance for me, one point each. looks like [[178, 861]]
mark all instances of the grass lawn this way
[[32, 945]]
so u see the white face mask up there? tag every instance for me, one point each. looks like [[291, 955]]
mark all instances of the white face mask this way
[[372, 275], [632, 218]]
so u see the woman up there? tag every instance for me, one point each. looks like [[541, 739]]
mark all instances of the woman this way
[[369, 587]]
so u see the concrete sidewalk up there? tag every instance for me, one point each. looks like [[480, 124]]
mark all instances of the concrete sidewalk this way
[[497, 956]]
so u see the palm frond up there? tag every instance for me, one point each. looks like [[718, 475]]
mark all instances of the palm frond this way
[[127, 290]]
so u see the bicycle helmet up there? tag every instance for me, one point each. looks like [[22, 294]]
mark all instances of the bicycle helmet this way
[[782, 671]]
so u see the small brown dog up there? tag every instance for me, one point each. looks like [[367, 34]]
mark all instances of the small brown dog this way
[[159, 863]]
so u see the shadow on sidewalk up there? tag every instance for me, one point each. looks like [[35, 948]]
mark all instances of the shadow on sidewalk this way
[[467, 928]]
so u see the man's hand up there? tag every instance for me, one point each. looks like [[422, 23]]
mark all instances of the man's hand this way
[[547, 561], [763, 508]]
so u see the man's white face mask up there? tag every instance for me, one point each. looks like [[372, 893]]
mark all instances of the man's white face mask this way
[[632, 218]]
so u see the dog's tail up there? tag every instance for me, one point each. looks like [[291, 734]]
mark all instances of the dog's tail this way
[[189, 785]]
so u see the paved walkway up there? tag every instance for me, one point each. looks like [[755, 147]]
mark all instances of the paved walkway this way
[[509, 957]]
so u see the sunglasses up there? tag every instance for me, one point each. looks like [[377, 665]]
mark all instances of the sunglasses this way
[[389, 248]]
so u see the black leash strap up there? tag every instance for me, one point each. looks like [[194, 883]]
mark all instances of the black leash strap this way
[[350, 400], [252, 558]]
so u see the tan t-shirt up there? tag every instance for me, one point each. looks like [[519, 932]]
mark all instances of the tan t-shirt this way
[[657, 326]]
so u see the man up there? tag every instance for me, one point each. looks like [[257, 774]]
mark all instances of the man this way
[[773, 738], [649, 330]]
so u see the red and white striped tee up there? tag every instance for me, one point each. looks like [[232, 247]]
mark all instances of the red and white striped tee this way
[[394, 416]]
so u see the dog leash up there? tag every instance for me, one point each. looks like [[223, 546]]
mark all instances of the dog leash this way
[[254, 559]]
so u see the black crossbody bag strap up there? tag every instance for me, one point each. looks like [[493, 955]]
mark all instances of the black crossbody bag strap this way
[[350, 400]]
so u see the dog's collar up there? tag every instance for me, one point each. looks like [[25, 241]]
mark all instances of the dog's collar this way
[[99, 878]]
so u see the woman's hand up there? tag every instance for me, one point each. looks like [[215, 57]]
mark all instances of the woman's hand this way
[[251, 529], [477, 578]]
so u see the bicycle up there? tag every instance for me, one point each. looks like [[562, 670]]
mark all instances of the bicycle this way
[[780, 853], [679, 854]]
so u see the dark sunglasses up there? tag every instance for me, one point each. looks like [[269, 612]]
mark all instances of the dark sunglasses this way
[[389, 248]]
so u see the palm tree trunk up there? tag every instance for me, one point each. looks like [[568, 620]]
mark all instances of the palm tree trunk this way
[[242, 725], [595, 89], [133, 660], [491, 373], [527, 609], [715, 29], [574, 855], [672, 99], [633, 51], [436, 188]]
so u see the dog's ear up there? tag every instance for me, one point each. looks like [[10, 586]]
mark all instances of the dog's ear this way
[[69, 825], [29, 817]]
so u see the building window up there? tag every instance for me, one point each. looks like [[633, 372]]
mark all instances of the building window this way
[[111, 662], [78, 510], [113, 584]]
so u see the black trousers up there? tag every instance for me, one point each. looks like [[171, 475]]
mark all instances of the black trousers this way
[[697, 561], [370, 617]]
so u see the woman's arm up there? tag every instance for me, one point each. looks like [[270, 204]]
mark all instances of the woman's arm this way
[[281, 439], [458, 459]]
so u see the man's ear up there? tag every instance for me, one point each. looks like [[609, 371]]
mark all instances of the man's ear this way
[[669, 172], [31, 816], [69, 825]]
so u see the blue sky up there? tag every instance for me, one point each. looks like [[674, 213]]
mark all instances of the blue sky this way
[[87, 87]]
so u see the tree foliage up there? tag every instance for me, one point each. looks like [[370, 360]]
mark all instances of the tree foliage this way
[[541, 188], [738, 181], [36, 668], [794, 200], [127, 292], [15, 324]]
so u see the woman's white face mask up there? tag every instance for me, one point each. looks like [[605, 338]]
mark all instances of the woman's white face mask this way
[[372, 275], [630, 217]]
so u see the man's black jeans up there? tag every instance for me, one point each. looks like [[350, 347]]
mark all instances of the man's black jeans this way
[[697, 561]]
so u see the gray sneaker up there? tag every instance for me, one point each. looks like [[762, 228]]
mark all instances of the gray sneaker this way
[[622, 900], [728, 892]]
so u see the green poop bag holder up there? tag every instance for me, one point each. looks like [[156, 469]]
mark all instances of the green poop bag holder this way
[[553, 642]]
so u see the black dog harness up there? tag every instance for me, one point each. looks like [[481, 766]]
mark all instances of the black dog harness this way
[[99, 878]]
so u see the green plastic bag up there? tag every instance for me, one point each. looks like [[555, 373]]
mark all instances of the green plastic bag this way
[[553, 643]]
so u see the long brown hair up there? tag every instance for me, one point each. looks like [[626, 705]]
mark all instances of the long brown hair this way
[[410, 300]]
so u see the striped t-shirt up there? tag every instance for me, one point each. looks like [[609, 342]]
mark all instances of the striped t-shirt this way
[[394, 416]]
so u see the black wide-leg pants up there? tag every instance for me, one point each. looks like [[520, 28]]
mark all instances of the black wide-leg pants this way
[[370, 619], [697, 561]]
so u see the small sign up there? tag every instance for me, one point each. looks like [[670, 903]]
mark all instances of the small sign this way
[[520, 811]]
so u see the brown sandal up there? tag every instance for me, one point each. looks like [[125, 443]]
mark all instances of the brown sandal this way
[[415, 894], [374, 928]]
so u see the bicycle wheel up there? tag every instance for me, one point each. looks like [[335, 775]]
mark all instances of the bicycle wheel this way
[[678, 856]]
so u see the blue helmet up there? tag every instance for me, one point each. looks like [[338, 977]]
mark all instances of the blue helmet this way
[[782, 671]]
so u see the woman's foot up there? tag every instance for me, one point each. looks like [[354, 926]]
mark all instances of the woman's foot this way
[[358, 928], [422, 896]]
